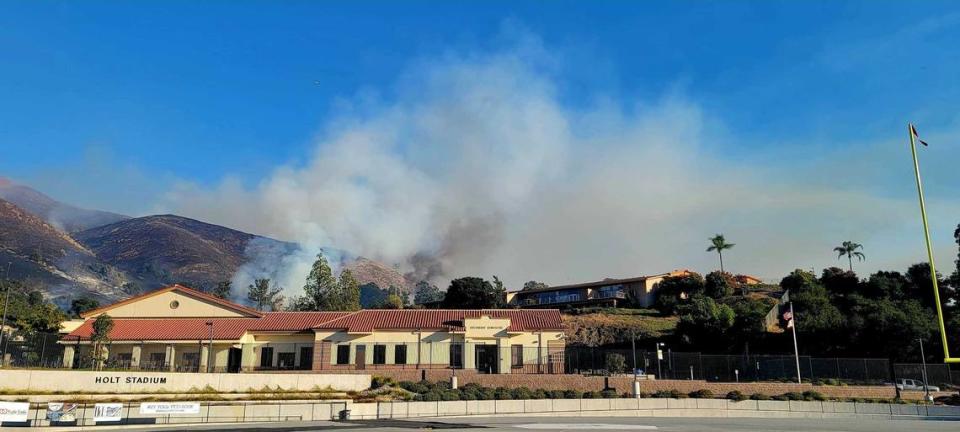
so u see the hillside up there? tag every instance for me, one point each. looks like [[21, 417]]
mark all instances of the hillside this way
[[61, 215], [368, 271], [158, 250], [616, 326], [38, 252]]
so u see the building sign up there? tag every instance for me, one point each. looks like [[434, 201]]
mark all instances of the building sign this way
[[129, 380], [170, 408], [105, 412], [61, 412], [485, 327], [14, 411]]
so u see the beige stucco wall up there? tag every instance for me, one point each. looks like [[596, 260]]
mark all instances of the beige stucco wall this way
[[158, 306]]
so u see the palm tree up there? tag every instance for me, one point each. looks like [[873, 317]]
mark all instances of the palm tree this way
[[719, 244], [849, 249]]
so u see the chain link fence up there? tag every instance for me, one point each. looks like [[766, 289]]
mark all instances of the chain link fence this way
[[31, 349]]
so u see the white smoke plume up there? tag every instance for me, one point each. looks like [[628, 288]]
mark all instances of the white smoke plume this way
[[476, 166]]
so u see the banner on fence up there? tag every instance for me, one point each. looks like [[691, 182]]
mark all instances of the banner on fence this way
[[61, 412], [103, 412], [14, 411], [170, 408]]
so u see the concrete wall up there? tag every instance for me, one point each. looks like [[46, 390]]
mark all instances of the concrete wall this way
[[326, 410], [148, 382]]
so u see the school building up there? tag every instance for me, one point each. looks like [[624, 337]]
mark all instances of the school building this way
[[181, 329]]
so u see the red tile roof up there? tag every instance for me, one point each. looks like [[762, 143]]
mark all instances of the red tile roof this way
[[365, 321], [183, 290], [127, 329]]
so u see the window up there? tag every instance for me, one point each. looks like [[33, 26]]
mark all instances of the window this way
[[379, 354], [286, 360], [456, 356], [343, 354], [156, 360], [516, 356], [191, 360], [174, 304], [266, 357], [124, 359], [400, 354]]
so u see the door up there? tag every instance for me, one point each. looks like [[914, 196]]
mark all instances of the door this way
[[487, 359], [234, 360], [306, 358], [361, 360]]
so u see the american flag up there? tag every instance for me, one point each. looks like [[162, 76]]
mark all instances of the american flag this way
[[788, 317]]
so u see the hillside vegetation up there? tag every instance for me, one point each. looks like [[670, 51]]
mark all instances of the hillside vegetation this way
[[598, 327]]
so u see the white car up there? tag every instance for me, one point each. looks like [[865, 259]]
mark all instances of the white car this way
[[909, 384]]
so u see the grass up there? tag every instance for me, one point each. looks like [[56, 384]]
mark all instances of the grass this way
[[601, 328]]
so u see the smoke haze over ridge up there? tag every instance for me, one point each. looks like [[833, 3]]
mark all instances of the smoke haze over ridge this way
[[477, 167]]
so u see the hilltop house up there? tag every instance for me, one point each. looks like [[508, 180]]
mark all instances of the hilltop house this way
[[607, 292]]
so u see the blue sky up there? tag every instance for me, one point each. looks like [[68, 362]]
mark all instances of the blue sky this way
[[113, 104]]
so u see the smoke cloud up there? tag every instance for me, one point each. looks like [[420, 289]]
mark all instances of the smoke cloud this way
[[476, 166]]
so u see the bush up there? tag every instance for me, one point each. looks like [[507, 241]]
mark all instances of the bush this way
[[541, 394], [593, 395], [487, 393], [381, 381], [782, 397], [759, 396], [615, 363], [503, 393], [430, 396], [701, 394], [469, 395], [662, 394], [572, 394], [736, 395], [609, 393], [794, 396], [556, 394], [811, 395], [415, 387], [450, 395], [522, 393]]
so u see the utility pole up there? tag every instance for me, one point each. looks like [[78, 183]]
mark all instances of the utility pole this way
[[210, 356], [659, 358], [796, 352]]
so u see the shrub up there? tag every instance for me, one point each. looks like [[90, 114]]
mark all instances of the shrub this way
[[450, 395], [811, 395], [503, 393], [573, 394], [701, 394], [469, 395], [662, 394], [592, 395], [487, 393], [556, 394], [677, 395], [381, 381], [736, 395], [522, 393], [415, 387], [430, 396], [541, 394], [759, 396], [795, 396], [780, 397], [609, 393], [615, 363]]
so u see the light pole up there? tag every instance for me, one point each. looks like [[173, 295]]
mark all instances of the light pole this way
[[210, 346], [923, 361]]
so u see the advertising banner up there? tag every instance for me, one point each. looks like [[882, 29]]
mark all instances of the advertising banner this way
[[170, 408], [61, 412], [14, 411], [105, 412]]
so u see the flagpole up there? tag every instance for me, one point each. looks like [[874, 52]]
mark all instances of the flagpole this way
[[926, 236], [796, 352]]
